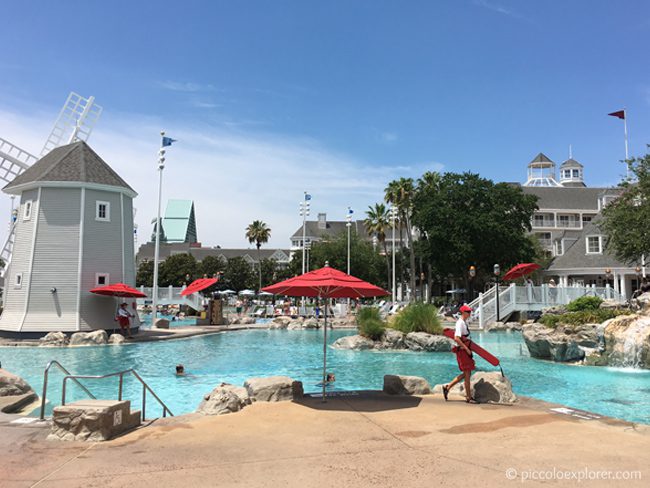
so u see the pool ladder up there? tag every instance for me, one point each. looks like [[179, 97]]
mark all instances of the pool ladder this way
[[145, 387]]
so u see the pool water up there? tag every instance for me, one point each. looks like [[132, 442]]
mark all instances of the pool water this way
[[145, 320], [235, 356]]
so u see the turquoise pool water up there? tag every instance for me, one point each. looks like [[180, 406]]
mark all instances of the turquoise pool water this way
[[145, 319], [235, 356]]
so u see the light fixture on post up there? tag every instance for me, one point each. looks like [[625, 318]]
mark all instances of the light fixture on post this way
[[348, 224], [497, 272], [472, 275], [304, 212], [393, 217]]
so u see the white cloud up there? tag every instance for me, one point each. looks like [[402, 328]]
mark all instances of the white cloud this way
[[495, 7], [234, 177], [185, 86], [389, 137]]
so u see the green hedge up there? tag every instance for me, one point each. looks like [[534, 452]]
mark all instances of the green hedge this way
[[370, 323], [584, 303], [418, 317], [582, 317]]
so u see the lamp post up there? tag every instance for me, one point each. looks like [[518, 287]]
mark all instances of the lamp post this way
[[393, 216], [307, 249], [304, 212], [497, 272], [348, 224], [156, 255], [472, 275]]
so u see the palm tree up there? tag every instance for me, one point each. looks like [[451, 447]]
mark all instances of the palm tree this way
[[400, 193], [377, 222], [258, 233]]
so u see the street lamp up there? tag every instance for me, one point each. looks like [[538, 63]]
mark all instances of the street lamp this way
[[393, 216], [472, 275], [304, 212], [348, 224], [307, 249], [497, 272], [161, 167]]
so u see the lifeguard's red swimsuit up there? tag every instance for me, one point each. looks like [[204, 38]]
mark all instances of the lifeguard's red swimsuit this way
[[465, 361]]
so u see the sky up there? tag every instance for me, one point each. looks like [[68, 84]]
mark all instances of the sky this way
[[337, 98]]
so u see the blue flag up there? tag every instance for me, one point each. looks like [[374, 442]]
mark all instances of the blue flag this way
[[167, 141], [307, 197], [350, 211]]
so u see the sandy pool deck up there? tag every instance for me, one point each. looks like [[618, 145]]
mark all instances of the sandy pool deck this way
[[357, 440]]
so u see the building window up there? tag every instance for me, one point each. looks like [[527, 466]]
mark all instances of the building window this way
[[27, 210], [103, 211], [563, 220], [594, 245], [18, 283], [102, 279], [586, 218], [538, 221]]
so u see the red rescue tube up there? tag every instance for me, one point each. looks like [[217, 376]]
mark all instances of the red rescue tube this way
[[493, 360]]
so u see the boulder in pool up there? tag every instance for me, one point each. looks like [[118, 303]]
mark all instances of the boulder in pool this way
[[273, 389], [280, 323], [391, 339], [562, 344], [94, 338], [15, 392], [354, 342], [224, 399], [116, 339], [421, 341]]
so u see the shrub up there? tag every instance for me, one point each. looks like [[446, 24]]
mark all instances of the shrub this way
[[367, 313], [584, 303], [372, 329], [418, 317], [582, 317]]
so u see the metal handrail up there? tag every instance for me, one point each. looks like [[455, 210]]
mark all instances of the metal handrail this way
[[45, 376], [145, 388]]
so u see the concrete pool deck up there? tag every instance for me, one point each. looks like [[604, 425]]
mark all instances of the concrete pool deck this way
[[353, 440]]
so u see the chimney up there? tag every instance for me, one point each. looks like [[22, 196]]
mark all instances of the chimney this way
[[322, 221]]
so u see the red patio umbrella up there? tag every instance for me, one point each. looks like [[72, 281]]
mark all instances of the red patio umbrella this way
[[326, 283], [198, 285], [520, 270], [118, 290]]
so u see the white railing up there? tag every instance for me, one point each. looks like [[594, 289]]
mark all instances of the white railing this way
[[171, 295], [515, 298]]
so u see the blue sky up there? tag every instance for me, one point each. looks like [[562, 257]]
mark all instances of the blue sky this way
[[338, 97]]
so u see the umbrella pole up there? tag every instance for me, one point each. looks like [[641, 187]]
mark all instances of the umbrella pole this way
[[325, 350]]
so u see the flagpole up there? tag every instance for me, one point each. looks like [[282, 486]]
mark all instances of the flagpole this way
[[161, 166], [627, 155]]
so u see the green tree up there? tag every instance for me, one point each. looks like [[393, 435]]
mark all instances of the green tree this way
[[212, 265], [400, 193], [270, 271], [258, 233], [238, 274], [177, 270], [377, 224], [625, 220], [144, 276], [466, 219], [365, 263]]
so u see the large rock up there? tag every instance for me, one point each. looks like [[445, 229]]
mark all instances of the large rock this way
[[57, 339], [94, 338], [501, 326], [161, 324], [247, 320], [644, 301], [391, 339], [116, 339], [12, 385], [273, 389], [562, 344], [224, 399], [280, 323], [311, 324], [627, 341], [295, 325], [354, 342], [406, 385], [486, 387], [421, 341]]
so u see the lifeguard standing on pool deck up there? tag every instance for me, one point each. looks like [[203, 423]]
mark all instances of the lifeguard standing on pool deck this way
[[124, 319], [463, 355]]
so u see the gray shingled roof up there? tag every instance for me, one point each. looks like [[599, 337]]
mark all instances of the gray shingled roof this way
[[146, 251], [571, 163], [566, 198], [333, 228], [576, 256], [541, 158], [75, 162]]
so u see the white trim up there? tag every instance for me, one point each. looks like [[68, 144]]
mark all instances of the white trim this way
[[18, 281], [106, 276], [107, 209], [600, 244], [82, 214], [122, 229], [18, 189], [31, 261], [29, 204]]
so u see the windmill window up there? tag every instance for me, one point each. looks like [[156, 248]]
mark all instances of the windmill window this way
[[102, 279], [19, 280], [27, 210], [103, 211]]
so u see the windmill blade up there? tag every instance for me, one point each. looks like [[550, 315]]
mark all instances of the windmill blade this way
[[13, 160], [74, 123]]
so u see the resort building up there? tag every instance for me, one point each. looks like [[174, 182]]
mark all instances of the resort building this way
[[73, 233], [178, 224], [566, 225]]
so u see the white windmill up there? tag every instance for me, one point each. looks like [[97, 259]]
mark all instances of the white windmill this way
[[74, 123]]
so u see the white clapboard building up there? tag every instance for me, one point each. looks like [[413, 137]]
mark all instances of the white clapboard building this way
[[74, 231]]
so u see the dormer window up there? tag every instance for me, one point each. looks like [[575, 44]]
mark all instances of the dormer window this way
[[594, 244], [102, 211]]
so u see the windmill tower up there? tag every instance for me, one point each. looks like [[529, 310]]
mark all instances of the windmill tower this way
[[74, 123]]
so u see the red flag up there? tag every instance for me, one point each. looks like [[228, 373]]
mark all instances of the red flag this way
[[620, 114]]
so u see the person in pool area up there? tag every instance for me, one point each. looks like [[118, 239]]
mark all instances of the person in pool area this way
[[123, 318], [329, 379], [463, 355], [180, 370]]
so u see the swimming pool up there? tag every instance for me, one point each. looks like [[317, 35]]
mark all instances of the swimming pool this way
[[235, 356]]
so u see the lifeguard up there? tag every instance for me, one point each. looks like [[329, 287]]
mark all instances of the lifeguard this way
[[464, 355]]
